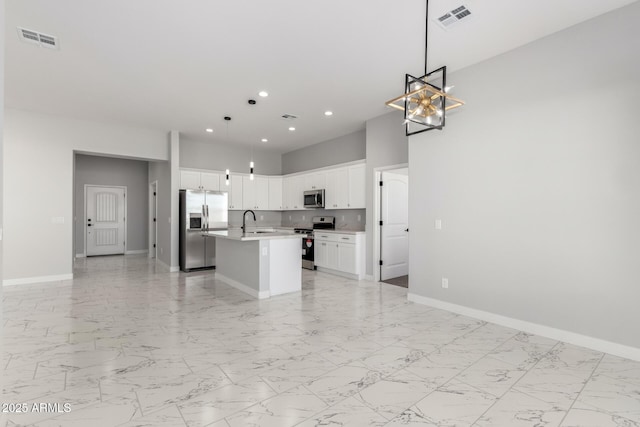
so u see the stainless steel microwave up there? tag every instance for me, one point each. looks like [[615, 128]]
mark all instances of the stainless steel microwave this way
[[314, 199]]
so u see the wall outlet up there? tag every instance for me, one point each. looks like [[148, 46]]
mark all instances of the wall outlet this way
[[169, 219], [438, 224], [445, 283], [343, 218], [261, 217], [289, 217], [161, 251], [303, 217], [359, 218]]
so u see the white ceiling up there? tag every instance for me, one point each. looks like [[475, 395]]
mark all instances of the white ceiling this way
[[183, 65]]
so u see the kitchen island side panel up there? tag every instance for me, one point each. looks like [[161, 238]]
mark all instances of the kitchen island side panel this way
[[240, 261], [285, 266]]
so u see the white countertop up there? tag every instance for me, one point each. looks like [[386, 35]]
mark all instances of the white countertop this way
[[340, 231], [252, 236]]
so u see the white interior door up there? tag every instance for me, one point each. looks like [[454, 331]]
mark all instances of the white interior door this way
[[105, 220], [394, 233]]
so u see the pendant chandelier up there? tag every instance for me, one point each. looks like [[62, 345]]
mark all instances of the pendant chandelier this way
[[425, 99], [227, 172]]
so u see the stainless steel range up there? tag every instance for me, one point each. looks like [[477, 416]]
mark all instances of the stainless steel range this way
[[318, 223]]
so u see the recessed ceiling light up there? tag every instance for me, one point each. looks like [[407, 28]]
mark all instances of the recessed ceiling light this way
[[292, 128], [264, 140], [328, 113], [209, 130], [263, 94]]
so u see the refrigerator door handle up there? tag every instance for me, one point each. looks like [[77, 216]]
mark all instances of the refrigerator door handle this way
[[207, 210]]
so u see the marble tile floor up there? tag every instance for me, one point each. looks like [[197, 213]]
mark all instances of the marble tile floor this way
[[128, 344]]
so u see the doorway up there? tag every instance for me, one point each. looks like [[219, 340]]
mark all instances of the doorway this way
[[153, 219], [393, 226], [105, 214]]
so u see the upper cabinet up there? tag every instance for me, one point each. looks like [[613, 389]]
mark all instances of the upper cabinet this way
[[315, 181], [193, 180], [255, 193], [337, 192], [235, 192], [293, 189], [275, 193], [357, 184], [346, 188]]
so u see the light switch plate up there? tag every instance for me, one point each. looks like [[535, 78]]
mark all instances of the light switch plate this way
[[438, 224]]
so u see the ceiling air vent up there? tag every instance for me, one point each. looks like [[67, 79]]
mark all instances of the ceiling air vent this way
[[34, 37], [289, 117], [454, 16]]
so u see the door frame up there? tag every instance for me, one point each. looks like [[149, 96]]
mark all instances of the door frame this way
[[126, 214], [153, 225], [377, 200]]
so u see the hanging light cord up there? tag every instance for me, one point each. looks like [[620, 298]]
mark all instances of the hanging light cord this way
[[426, 36]]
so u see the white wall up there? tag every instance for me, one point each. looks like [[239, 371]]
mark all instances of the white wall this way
[[38, 170], [537, 183], [1, 163], [133, 174], [386, 146]]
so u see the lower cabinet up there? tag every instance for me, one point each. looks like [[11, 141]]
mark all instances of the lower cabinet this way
[[341, 254]]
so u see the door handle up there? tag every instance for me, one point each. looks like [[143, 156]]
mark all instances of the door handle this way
[[407, 230], [88, 225]]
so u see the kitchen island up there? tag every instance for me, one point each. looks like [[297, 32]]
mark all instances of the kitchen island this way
[[259, 263]]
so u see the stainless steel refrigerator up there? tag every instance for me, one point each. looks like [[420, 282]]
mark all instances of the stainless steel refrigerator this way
[[200, 211]]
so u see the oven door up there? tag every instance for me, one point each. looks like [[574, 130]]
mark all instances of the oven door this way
[[307, 253]]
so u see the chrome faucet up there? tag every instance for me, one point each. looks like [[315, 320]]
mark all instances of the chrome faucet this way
[[244, 217]]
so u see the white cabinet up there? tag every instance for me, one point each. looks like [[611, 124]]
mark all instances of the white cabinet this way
[[235, 192], [337, 191], [357, 183], [292, 190], [194, 180], [342, 254], [346, 188], [275, 193], [255, 193], [315, 181]]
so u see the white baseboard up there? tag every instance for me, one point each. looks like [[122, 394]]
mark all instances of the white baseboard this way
[[339, 273], [166, 267], [137, 251], [533, 328], [242, 287], [38, 279], [82, 255]]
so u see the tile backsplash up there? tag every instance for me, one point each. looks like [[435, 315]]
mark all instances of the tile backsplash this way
[[346, 219]]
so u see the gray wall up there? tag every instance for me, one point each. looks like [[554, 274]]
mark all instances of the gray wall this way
[[208, 155], [386, 146], [537, 183], [344, 149], [161, 172], [133, 174], [263, 219]]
